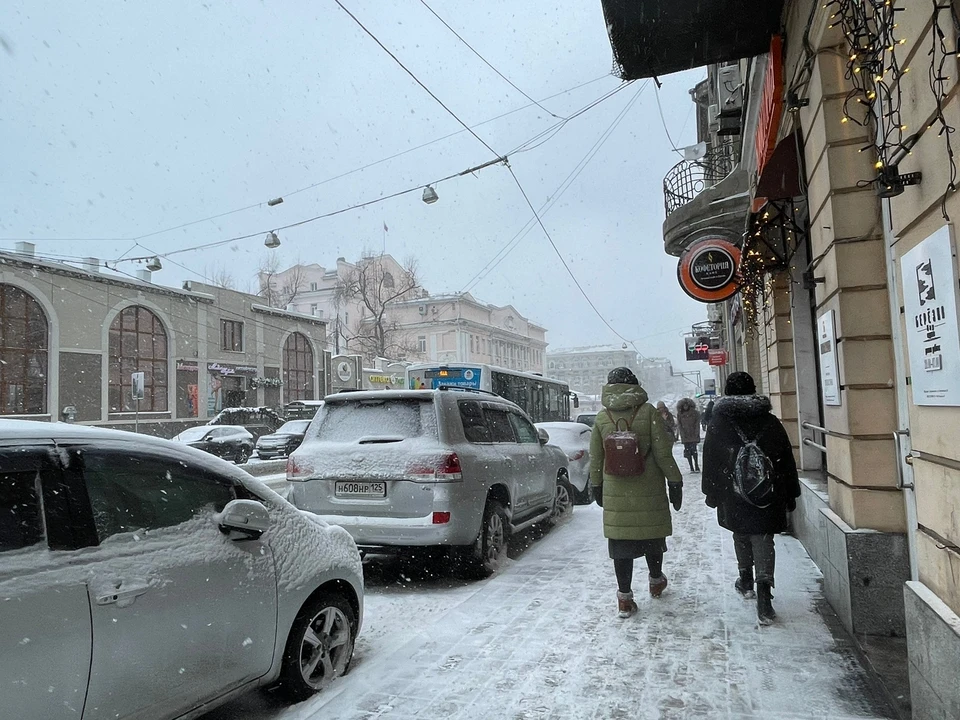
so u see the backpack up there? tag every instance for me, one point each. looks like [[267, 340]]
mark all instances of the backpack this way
[[621, 450], [753, 473]]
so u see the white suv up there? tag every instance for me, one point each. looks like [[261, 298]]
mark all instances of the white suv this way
[[143, 578], [420, 468]]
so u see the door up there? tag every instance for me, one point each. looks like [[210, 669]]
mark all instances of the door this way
[[44, 613], [180, 613], [542, 475], [502, 434]]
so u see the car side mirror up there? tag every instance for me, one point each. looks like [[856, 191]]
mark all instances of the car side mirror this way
[[243, 520], [543, 435]]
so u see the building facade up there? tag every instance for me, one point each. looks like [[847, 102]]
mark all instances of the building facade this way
[[415, 326], [73, 339], [826, 159], [585, 369]]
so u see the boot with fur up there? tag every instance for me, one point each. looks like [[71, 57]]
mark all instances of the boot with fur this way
[[625, 604], [657, 586]]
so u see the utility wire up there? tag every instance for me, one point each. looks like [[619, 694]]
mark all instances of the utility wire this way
[[416, 79], [485, 62], [673, 145]]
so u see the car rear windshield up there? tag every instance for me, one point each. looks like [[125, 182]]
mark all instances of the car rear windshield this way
[[367, 420], [193, 434], [294, 426]]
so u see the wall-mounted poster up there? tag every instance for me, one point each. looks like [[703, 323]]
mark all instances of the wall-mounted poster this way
[[827, 347], [929, 275]]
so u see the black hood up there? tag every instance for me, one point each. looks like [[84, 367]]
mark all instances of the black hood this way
[[742, 406]]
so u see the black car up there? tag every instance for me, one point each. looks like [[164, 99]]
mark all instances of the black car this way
[[284, 441], [230, 442]]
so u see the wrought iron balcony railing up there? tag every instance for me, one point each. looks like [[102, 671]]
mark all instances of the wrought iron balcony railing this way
[[689, 178]]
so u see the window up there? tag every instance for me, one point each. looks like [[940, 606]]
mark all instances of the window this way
[[313, 287], [499, 423], [422, 344], [383, 420], [231, 335], [388, 281], [313, 309], [297, 368], [474, 425], [21, 520], [526, 433], [138, 343], [130, 491], [23, 353]]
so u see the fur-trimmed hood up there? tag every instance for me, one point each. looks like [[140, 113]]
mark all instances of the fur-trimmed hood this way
[[686, 405], [742, 406]]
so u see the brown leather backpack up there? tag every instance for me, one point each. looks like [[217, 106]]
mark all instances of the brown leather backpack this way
[[621, 449]]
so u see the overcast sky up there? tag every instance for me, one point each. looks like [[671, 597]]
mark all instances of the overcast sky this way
[[121, 119]]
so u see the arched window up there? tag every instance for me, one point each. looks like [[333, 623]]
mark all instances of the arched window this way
[[138, 343], [23, 353], [297, 368]]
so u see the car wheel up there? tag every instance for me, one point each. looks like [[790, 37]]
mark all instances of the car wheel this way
[[243, 454], [486, 555], [319, 647], [563, 504]]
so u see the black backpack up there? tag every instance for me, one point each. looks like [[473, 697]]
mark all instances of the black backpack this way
[[753, 473]]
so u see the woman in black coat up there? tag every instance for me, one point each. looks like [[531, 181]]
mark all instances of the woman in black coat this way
[[753, 527]]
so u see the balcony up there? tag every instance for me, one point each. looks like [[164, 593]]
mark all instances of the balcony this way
[[705, 197]]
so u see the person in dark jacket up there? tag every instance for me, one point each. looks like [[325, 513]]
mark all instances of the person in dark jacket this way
[[744, 414], [669, 422], [636, 508], [707, 414], [688, 423]]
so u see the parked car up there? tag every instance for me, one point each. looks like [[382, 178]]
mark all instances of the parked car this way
[[230, 442], [302, 409], [284, 441], [414, 468], [574, 439], [587, 419], [143, 578], [255, 420]]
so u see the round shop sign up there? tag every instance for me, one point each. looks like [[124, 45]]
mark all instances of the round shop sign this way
[[707, 270], [344, 371]]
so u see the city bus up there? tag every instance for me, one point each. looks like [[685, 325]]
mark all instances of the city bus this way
[[543, 399]]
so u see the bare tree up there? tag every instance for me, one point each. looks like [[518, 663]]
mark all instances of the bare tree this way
[[280, 288], [219, 276], [375, 285]]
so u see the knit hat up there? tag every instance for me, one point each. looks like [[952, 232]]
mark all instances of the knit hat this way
[[622, 376], [740, 383]]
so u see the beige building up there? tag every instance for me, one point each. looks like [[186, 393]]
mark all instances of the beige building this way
[[415, 326], [827, 160], [73, 338]]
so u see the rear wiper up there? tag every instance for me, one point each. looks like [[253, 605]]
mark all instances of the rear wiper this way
[[376, 440]]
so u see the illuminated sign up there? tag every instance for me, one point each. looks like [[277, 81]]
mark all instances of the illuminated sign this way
[[707, 270]]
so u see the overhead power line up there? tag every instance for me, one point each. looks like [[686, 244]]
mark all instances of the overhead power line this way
[[486, 62]]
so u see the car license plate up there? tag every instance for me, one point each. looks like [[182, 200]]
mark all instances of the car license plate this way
[[349, 488]]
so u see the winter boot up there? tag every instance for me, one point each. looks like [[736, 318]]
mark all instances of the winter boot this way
[[696, 464], [658, 585], [690, 460], [765, 613], [744, 584], [625, 604]]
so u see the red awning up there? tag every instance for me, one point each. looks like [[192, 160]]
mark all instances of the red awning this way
[[780, 178]]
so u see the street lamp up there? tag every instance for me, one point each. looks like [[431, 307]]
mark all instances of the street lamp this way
[[272, 240], [153, 264], [430, 195]]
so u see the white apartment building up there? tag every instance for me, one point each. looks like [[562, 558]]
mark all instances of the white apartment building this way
[[417, 326]]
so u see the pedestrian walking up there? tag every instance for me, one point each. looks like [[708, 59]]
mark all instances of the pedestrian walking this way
[[688, 423], [707, 414], [669, 421], [750, 477], [631, 468]]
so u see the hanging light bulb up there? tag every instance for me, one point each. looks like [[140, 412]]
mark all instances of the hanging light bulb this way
[[430, 195], [272, 240], [153, 264]]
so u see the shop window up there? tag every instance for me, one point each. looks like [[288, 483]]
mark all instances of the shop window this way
[[231, 335], [138, 343], [23, 353], [297, 368]]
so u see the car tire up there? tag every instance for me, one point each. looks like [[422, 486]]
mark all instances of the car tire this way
[[319, 647], [563, 503], [486, 555], [243, 454]]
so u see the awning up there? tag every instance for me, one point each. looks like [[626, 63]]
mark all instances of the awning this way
[[658, 37], [780, 178]]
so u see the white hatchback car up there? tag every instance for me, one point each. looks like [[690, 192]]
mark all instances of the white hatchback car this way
[[140, 578]]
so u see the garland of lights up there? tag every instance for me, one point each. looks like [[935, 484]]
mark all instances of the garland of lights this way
[[938, 86], [874, 71]]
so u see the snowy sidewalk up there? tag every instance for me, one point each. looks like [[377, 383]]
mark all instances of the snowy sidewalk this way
[[541, 640]]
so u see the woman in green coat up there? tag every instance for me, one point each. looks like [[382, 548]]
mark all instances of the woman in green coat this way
[[636, 510]]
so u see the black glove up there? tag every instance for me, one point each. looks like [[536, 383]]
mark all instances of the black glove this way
[[598, 494], [676, 494], [711, 501], [791, 504]]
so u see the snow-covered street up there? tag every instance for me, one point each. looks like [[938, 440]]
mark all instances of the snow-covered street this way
[[541, 639]]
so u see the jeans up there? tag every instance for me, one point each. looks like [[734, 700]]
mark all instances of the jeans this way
[[623, 569], [756, 551]]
